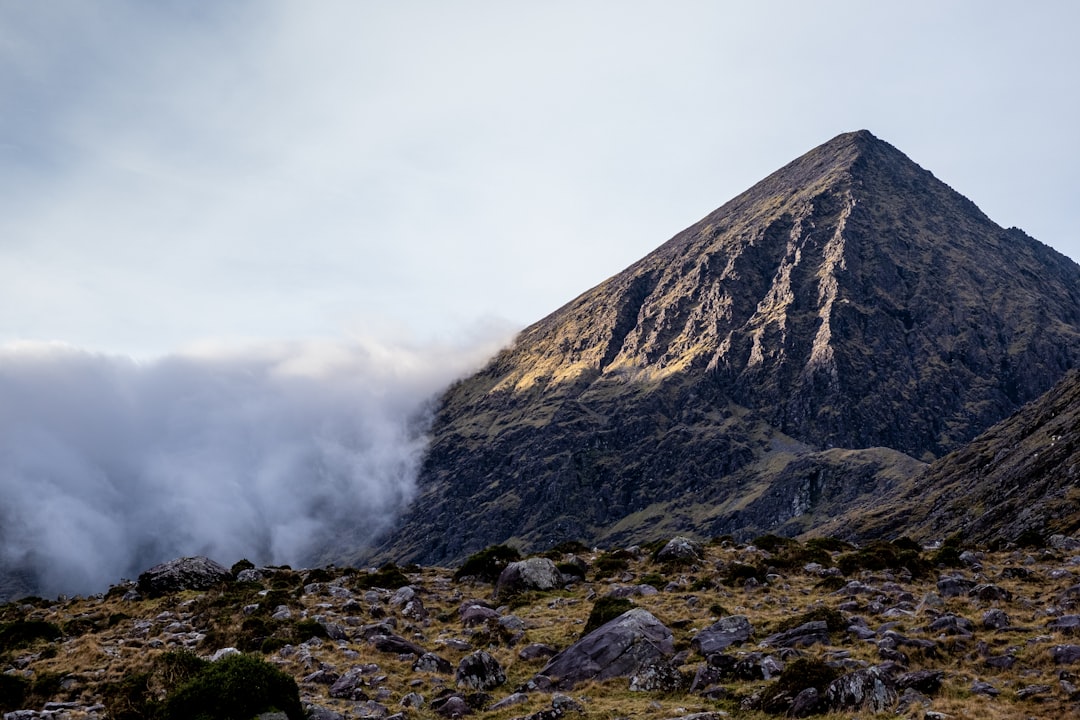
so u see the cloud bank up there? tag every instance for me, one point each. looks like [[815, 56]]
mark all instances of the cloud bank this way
[[274, 452]]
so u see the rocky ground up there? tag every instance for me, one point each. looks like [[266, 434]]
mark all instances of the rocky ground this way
[[773, 629]]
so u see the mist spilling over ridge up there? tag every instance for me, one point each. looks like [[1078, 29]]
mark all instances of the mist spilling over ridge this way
[[272, 452]]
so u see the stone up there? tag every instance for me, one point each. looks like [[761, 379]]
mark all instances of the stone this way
[[806, 703], [927, 682], [981, 687], [871, 689], [510, 700], [728, 631], [349, 686], [657, 676], [619, 648], [189, 573], [680, 550], [316, 712], [813, 632], [536, 651], [432, 663], [479, 671], [954, 586], [396, 644], [1033, 691], [451, 706], [1065, 654], [950, 624], [478, 615], [626, 591], [223, 653], [1064, 542], [1068, 624], [988, 592], [371, 710], [536, 573], [995, 619]]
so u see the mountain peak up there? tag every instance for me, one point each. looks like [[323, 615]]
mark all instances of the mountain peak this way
[[848, 302]]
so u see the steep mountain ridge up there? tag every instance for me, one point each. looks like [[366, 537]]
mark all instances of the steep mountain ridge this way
[[850, 300], [1020, 477]]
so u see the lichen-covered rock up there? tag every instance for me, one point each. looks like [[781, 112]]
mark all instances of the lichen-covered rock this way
[[618, 648], [680, 550], [534, 573], [432, 663], [479, 671], [658, 676], [871, 689], [189, 573]]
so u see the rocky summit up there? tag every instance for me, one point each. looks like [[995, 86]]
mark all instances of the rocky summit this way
[[816, 340]]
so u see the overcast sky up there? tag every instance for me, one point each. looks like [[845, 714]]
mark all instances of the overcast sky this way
[[177, 172]]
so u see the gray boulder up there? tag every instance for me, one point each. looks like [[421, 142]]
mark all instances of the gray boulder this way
[[681, 550], [480, 671], [728, 631], [189, 573], [619, 648], [871, 689], [530, 574], [815, 631], [1065, 654]]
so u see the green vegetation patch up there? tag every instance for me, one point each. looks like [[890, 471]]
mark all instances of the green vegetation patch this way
[[388, 577], [237, 687], [604, 610], [488, 564], [23, 633]]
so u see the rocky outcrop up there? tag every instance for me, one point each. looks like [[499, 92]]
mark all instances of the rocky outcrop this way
[[619, 648], [190, 573]]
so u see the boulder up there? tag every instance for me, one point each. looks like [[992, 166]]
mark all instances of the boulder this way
[[988, 592], [871, 689], [189, 573], [480, 671], [950, 624], [534, 573], [680, 550], [619, 648], [815, 631], [349, 686], [1068, 624], [995, 619], [954, 586], [478, 615], [396, 644], [536, 651], [1065, 654], [728, 631], [432, 663]]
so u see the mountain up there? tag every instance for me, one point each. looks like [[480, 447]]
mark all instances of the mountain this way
[[1020, 477], [817, 338]]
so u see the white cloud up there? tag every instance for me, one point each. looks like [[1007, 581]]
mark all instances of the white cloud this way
[[275, 453]]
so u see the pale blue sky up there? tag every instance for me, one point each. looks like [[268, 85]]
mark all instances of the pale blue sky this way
[[172, 172]]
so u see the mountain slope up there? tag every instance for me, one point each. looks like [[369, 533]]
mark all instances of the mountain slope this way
[[1022, 475], [849, 300]]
